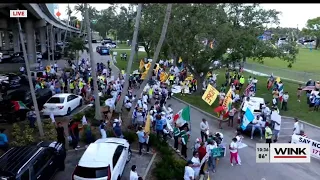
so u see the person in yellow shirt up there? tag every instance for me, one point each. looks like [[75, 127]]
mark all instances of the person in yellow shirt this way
[[242, 81], [171, 79], [182, 84], [268, 133], [71, 86]]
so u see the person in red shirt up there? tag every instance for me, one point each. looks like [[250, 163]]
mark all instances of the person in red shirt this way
[[202, 150]]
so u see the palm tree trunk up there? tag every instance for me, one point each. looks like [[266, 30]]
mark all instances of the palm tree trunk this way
[[66, 32], [156, 53], [134, 41], [33, 94], [93, 70]]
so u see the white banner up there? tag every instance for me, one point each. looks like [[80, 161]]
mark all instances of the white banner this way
[[314, 145]]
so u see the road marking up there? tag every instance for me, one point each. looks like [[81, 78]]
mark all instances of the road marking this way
[[149, 166]]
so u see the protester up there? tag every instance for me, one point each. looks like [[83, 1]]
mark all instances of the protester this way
[[32, 117], [233, 147], [196, 164], [188, 171], [3, 140], [60, 133], [142, 137], [184, 141], [134, 173], [256, 124], [296, 126], [204, 129], [74, 133], [268, 134], [102, 127]]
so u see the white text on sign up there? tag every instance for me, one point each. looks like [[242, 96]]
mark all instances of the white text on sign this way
[[289, 153], [18, 13]]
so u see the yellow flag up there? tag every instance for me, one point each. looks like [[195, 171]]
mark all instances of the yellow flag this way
[[228, 99], [163, 76], [144, 74], [148, 124], [208, 177], [141, 64], [180, 60], [278, 79], [210, 95]]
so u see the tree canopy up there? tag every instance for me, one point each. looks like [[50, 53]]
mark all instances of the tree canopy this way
[[313, 29]]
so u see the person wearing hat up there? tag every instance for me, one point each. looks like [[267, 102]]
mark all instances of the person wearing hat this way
[[268, 133], [188, 171]]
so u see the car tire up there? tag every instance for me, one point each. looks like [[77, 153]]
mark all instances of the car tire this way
[[69, 111], [80, 103], [129, 155]]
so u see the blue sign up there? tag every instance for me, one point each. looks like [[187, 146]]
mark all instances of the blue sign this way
[[247, 119]]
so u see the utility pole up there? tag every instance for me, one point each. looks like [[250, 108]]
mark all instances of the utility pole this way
[[52, 42], [33, 94], [93, 63]]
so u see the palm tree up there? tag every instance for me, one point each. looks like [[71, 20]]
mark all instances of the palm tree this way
[[93, 70], [76, 45], [156, 53], [69, 12], [33, 94], [134, 41]]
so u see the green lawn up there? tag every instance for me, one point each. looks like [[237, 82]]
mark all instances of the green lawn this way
[[306, 61], [121, 64], [295, 109], [123, 46]]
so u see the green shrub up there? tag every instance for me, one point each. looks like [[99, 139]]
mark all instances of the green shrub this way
[[130, 136], [169, 167]]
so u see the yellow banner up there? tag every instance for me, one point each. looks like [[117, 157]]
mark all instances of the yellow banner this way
[[141, 65], [180, 60], [227, 99], [210, 95], [163, 76], [144, 74], [278, 79], [148, 125]]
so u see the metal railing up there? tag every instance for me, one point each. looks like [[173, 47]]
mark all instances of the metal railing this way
[[285, 73]]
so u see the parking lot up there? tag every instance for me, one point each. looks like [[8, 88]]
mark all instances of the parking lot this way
[[73, 158]]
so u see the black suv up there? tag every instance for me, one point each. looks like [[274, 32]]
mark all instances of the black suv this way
[[38, 162], [10, 80]]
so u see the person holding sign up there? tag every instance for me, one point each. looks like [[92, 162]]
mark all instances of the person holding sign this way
[[196, 164], [212, 160], [233, 147]]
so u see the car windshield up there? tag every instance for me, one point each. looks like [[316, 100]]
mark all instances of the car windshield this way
[[85, 172], [56, 100]]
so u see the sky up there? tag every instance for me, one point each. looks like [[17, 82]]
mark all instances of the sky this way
[[293, 15]]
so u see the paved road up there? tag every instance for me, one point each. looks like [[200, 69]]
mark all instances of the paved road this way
[[249, 170]]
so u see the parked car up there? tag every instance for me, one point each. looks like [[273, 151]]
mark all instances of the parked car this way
[[39, 162], [57, 55], [7, 112], [255, 103], [10, 80], [5, 57], [113, 155], [102, 50], [111, 45], [62, 104], [94, 41]]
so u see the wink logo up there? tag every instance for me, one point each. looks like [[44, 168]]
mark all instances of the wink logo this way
[[289, 153]]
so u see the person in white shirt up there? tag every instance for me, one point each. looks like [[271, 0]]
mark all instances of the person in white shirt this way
[[285, 98], [134, 173], [196, 164], [276, 119], [234, 151], [145, 98], [296, 126], [188, 171], [204, 129], [211, 161], [239, 138], [257, 123], [128, 105]]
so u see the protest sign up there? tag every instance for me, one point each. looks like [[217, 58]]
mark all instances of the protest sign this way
[[314, 145], [210, 95]]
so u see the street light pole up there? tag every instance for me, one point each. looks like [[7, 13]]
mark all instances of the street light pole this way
[[33, 94]]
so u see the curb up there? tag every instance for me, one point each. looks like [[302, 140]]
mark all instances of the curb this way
[[149, 166], [210, 115]]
